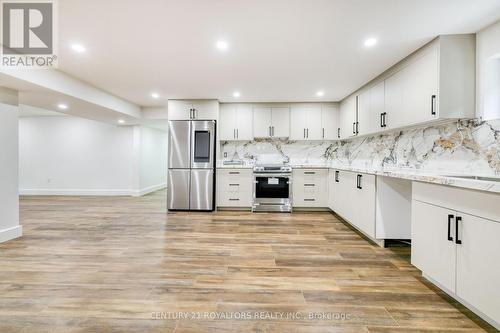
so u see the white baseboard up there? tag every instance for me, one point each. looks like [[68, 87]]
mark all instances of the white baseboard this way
[[97, 192], [149, 189], [75, 192], [11, 233]]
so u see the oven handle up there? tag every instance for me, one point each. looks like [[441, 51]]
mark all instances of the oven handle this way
[[272, 175]]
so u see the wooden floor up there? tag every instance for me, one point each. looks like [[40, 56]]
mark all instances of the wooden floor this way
[[124, 265]]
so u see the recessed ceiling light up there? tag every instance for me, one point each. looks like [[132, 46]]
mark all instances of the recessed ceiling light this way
[[62, 106], [320, 93], [121, 121], [78, 48], [370, 42], [155, 95], [222, 45], [236, 94]]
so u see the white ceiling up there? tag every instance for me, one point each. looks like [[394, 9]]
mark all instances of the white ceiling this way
[[280, 50]]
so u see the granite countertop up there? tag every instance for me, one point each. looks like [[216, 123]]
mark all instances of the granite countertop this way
[[430, 177]]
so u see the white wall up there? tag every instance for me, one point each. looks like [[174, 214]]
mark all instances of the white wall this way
[[488, 72], [152, 159], [74, 156], [9, 198]]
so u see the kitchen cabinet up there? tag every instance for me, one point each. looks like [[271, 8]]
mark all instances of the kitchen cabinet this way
[[193, 109], [314, 122], [309, 188], [377, 206], [435, 83], [353, 199], [456, 246], [348, 117], [305, 122], [330, 122], [236, 122], [413, 92], [271, 122], [234, 188], [371, 110]]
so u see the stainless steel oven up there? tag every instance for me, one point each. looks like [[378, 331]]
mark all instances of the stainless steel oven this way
[[272, 191]]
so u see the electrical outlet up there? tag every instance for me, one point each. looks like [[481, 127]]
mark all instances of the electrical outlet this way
[[225, 154]]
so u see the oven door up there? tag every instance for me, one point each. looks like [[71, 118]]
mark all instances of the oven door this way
[[272, 187]]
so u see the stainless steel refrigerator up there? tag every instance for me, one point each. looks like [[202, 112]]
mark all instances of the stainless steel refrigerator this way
[[191, 165]]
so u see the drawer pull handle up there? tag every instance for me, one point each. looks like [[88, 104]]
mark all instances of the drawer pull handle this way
[[234, 184], [337, 176], [309, 173], [234, 173], [310, 185], [309, 199], [234, 199]]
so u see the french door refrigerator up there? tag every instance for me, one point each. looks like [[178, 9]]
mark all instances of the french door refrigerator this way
[[191, 165]]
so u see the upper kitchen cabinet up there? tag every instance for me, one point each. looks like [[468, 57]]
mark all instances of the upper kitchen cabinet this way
[[436, 83], [235, 122], [193, 109], [371, 109], [348, 117], [271, 122], [330, 122], [314, 122]]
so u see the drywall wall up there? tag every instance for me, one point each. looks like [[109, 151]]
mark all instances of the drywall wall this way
[[9, 197], [488, 72], [152, 159], [73, 156]]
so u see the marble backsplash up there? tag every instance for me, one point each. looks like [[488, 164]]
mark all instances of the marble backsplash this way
[[466, 146]]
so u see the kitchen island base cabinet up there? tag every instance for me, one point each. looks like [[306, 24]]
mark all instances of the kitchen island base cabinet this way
[[457, 249]]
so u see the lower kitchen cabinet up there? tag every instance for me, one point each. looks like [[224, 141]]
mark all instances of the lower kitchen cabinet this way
[[234, 188], [456, 250], [377, 206], [310, 188]]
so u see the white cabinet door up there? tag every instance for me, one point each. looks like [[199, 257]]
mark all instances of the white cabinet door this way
[[205, 110], [394, 100], [298, 122], [262, 121], [478, 271], [348, 118], [330, 122], [314, 128], [244, 122], [377, 108], [349, 204], [331, 188], [179, 110], [431, 251], [227, 122], [281, 122], [365, 209], [364, 112], [420, 89]]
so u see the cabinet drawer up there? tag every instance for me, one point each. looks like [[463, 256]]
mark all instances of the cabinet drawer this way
[[234, 199], [310, 187], [235, 180]]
